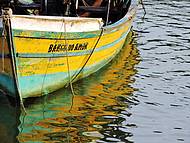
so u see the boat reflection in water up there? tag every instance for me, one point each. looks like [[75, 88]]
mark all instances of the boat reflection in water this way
[[97, 111], [9, 120]]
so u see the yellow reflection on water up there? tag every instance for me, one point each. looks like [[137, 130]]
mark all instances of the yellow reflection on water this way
[[62, 117]]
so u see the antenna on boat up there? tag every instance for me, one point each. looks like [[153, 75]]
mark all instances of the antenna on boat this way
[[108, 12]]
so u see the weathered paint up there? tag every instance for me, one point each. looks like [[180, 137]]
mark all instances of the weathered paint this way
[[42, 60], [7, 80], [56, 23]]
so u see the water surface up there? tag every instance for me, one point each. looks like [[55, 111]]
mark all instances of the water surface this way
[[141, 98], [163, 78]]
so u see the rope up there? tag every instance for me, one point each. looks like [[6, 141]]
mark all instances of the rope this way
[[85, 3], [3, 48], [14, 68], [51, 58], [7, 24], [43, 81], [141, 1], [69, 74], [101, 33], [68, 67], [70, 82]]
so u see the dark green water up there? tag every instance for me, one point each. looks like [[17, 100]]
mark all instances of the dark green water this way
[[143, 98]]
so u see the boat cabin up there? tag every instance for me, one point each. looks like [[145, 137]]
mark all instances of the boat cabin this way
[[115, 9]]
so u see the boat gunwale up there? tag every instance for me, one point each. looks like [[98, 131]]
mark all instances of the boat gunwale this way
[[65, 35], [61, 18]]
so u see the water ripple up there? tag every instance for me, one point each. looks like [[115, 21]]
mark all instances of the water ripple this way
[[163, 74]]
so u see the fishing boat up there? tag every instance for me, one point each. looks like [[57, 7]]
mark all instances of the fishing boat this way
[[47, 45]]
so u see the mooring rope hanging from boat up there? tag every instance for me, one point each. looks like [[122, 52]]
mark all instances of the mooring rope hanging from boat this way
[[3, 49], [46, 70], [7, 26], [142, 3], [68, 67], [92, 51], [14, 68], [67, 57], [48, 63]]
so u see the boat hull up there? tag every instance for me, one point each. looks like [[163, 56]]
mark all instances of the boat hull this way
[[60, 51]]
